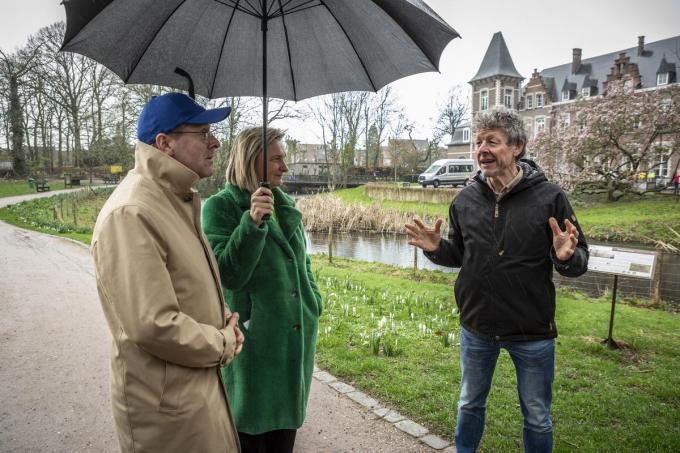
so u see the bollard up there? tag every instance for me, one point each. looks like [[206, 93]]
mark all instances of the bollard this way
[[330, 242], [415, 260]]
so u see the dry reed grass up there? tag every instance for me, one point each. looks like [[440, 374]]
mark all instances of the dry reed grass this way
[[320, 212]]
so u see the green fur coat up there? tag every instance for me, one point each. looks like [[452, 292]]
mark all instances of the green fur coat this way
[[267, 279]]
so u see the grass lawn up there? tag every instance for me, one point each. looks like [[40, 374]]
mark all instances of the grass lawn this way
[[397, 340], [14, 188], [640, 220], [69, 215]]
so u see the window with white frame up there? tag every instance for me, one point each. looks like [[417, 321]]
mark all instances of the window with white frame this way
[[529, 126], [565, 95], [565, 120], [466, 134], [585, 92], [483, 100], [540, 124], [539, 100], [662, 78], [663, 165], [530, 101], [507, 98]]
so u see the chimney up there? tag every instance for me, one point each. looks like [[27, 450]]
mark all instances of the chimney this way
[[576, 61], [641, 45]]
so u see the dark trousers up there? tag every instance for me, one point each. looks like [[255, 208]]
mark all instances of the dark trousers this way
[[279, 441]]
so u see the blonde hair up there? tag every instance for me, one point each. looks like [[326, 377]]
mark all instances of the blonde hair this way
[[247, 146]]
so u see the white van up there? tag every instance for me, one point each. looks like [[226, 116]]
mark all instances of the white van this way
[[447, 172]]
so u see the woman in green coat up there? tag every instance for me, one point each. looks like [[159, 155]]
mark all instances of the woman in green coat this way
[[267, 279]]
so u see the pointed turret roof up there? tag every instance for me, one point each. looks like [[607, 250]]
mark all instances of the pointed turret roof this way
[[497, 61]]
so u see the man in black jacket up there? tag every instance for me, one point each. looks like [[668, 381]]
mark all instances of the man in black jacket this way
[[505, 235]]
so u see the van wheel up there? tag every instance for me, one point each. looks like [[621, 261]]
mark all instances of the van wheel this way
[[435, 184]]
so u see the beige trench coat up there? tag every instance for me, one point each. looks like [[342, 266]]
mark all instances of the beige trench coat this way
[[160, 290]]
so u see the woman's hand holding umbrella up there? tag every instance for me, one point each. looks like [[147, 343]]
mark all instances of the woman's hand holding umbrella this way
[[261, 204]]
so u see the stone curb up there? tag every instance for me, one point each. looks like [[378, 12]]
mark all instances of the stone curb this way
[[391, 416]]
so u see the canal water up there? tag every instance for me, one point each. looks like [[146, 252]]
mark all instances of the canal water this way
[[394, 249]]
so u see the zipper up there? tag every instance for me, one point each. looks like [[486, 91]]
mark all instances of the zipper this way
[[495, 212]]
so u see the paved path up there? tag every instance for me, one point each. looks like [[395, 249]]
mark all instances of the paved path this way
[[54, 362]]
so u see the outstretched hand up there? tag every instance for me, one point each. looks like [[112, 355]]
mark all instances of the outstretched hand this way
[[565, 241], [422, 236]]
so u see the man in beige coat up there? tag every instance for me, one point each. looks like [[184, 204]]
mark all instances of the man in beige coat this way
[[160, 290]]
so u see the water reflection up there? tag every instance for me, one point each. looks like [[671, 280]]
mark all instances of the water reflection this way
[[384, 248]]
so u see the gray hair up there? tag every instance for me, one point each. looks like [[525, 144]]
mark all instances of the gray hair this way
[[247, 146], [506, 120]]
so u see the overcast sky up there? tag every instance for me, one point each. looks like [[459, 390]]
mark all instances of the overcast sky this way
[[539, 34]]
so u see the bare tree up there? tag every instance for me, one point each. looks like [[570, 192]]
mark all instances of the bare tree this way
[[13, 68], [452, 112], [70, 75]]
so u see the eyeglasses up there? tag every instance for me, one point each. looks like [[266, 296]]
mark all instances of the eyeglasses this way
[[207, 136]]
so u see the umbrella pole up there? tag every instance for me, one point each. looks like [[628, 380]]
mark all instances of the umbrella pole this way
[[265, 105], [265, 101]]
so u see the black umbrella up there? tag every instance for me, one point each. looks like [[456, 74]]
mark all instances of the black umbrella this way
[[288, 49]]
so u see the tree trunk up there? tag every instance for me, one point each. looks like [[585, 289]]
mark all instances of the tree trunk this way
[[17, 127]]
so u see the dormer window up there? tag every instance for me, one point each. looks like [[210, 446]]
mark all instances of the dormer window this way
[[530, 101], [662, 78], [585, 92], [565, 95]]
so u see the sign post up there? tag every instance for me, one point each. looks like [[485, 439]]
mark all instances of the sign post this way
[[620, 261]]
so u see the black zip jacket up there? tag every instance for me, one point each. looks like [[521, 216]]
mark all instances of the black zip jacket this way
[[504, 290]]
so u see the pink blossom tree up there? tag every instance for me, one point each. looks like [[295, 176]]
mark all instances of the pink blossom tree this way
[[610, 138]]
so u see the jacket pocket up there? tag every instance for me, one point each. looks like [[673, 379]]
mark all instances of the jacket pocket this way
[[173, 384]]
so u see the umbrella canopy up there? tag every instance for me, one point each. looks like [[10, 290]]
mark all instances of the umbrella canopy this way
[[312, 47]]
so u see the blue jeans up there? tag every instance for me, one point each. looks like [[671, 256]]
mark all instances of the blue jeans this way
[[534, 365]]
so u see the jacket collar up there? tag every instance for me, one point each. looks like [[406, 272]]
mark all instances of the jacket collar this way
[[166, 171]]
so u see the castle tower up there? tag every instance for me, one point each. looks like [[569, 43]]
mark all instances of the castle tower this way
[[497, 82]]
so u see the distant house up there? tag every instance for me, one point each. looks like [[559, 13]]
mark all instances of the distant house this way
[[460, 143], [402, 147]]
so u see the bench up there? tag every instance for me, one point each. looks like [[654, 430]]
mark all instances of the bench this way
[[110, 179], [40, 185], [71, 180]]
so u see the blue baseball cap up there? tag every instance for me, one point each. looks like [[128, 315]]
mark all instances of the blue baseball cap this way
[[164, 113]]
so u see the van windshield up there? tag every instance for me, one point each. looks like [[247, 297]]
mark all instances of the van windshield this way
[[433, 169]]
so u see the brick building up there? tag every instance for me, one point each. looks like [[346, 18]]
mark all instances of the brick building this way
[[547, 100]]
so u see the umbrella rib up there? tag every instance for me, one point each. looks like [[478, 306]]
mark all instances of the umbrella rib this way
[[290, 59], [298, 8], [271, 8], [235, 5], [148, 44], [224, 43], [254, 8], [363, 65]]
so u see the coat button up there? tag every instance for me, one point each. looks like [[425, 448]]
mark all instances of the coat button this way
[[294, 294], [290, 260], [296, 327]]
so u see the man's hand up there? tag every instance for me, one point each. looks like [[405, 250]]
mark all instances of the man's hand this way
[[564, 242], [261, 204], [233, 323], [422, 236]]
